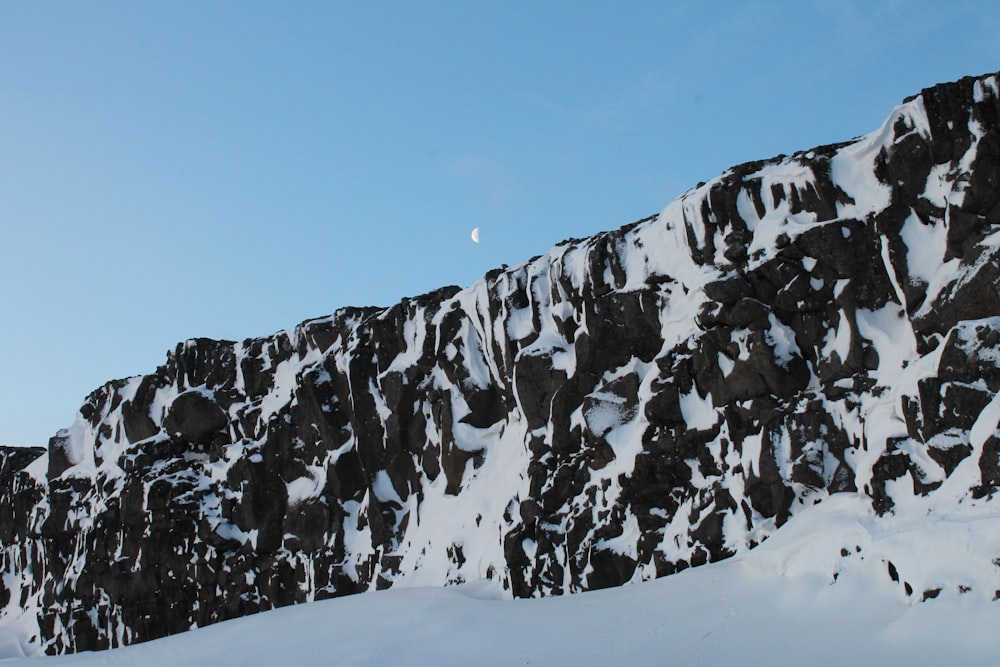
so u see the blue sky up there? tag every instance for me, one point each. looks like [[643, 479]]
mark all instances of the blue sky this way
[[227, 169]]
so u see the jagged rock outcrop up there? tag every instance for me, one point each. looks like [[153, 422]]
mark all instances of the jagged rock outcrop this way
[[623, 407]]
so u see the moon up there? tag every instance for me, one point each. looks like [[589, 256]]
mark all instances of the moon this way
[[475, 235]]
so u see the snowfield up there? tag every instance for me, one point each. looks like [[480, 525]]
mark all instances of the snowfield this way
[[797, 599]]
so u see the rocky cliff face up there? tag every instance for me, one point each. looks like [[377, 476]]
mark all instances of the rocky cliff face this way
[[621, 408]]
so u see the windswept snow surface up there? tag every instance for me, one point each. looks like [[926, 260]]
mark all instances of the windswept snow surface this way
[[829, 588]]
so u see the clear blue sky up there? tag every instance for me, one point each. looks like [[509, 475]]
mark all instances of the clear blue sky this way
[[178, 169]]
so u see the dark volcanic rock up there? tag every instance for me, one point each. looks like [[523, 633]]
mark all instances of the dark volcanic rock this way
[[195, 417], [624, 407]]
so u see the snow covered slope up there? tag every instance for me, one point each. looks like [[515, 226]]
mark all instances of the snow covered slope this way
[[624, 407], [794, 600]]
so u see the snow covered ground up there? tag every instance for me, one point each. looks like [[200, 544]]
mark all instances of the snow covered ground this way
[[821, 591]]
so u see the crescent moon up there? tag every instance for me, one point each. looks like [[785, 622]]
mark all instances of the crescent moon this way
[[475, 235]]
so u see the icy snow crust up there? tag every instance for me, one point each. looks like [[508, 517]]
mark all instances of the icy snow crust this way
[[479, 386]]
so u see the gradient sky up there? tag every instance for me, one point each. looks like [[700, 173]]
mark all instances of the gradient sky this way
[[171, 170]]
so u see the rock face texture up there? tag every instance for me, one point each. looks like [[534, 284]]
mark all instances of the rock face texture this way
[[621, 408]]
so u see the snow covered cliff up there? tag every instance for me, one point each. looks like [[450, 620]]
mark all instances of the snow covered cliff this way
[[620, 408]]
